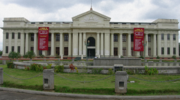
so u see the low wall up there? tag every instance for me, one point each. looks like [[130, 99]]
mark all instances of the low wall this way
[[112, 61]]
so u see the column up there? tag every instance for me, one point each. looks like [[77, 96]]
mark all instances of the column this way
[[80, 44], [84, 45], [35, 43], [15, 42], [44, 52], [52, 45], [171, 45], [165, 45], [75, 44], [146, 48], [177, 45], [137, 53], [154, 45], [112, 44], [129, 45], [61, 45], [107, 42], [4, 47], [10, 38], [120, 44], [159, 44], [27, 42], [69, 45], [102, 36], [97, 49]]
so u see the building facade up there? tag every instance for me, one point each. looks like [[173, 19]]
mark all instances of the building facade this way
[[106, 39]]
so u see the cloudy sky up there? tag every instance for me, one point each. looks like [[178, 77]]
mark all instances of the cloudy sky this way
[[64, 10]]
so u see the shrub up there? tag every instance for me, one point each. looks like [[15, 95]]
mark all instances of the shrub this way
[[10, 65], [174, 57], [59, 68], [49, 66], [27, 68], [76, 69], [130, 72], [150, 71], [110, 71], [96, 70], [30, 54], [141, 57], [122, 57], [0, 53], [42, 56], [13, 55], [36, 67], [157, 57]]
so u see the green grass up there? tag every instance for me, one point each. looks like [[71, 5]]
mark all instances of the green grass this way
[[100, 87]]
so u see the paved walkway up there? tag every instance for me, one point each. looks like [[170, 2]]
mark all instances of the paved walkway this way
[[20, 94]]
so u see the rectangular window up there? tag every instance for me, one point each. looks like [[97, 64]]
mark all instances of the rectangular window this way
[[32, 37], [12, 35], [6, 49], [115, 37], [32, 49], [49, 37], [57, 51], [49, 22], [174, 36], [124, 37], [41, 23], [18, 49], [162, 36], [149, 38], [57, 37], [141, 53], [168, 50], [12, 49], [132, 37], [162, 50], [65, 51], [168, 36], [124, 51], [49, 51], [65, 37], [115, 51], [40, 52], [132, 51], [19, 35], [149, 51], [174, 51], [7, 35]]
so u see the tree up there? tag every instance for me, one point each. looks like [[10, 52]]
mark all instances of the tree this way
[[30, 54], [13, 55], [0, 53]]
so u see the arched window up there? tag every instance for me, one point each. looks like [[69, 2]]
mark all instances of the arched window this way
[[91, 41]]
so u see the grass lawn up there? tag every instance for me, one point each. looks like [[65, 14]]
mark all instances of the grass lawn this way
[[100, 87]]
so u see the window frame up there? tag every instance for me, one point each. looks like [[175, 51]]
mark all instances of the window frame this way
[[115, 37], [66, 37]]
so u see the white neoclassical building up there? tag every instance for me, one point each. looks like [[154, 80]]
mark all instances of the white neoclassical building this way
[[106, 39]]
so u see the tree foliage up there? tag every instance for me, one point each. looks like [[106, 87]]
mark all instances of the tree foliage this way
[[29, 54], [0, 53], [14, 55]]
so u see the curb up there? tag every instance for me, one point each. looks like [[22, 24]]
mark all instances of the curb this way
[[88, 96]]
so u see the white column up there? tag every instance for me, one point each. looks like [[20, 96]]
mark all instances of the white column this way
[[112, 44], [165, 45], [52, 45], [154, 45], [129, 45], [107, 42], [75, 44], [177, 45], [61, 45], [80, 44], [27, 42], [15, 42], [159, 44], [102, 37], [69, 45], [35, 43], [171, 45], [10, 38], [137, 53], [4, 44], [146, 48], [84, 45], [120, 45], [97, 50], [44, 52]]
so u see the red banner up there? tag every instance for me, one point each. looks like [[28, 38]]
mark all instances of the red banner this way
[[138, 38], [43, 36]]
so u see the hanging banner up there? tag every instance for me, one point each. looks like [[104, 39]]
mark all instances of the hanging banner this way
[[138, 38], [43, 36]]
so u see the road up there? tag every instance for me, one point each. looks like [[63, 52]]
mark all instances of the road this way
[[8, 95]]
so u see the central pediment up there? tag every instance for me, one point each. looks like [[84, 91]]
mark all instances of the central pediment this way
[[90, 17]]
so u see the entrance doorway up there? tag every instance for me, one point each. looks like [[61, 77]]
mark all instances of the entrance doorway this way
[[91, 53]]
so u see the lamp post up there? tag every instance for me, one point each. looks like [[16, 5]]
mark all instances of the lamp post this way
[[87, 44], [144, 44]]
